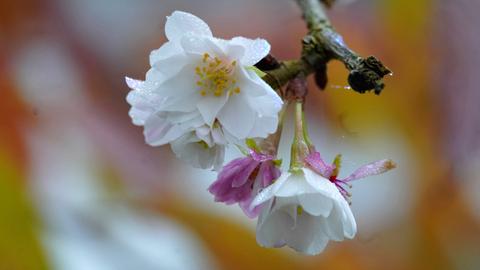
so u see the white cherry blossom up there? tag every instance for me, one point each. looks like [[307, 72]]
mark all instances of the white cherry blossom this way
[[304, 211], [197, 81]]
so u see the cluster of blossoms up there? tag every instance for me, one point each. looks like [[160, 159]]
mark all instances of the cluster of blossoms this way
[[203, 93]]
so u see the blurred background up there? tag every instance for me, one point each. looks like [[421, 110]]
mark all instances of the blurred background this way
[[80, 190]]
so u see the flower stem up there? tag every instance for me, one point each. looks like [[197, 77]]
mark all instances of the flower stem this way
[[306, 136], [300, 147], [271, 143]]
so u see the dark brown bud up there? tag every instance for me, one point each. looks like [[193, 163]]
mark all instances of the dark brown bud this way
[[321, 77], [365, 80], [328, 3], [269, 62], [368, 76], [377, 66]]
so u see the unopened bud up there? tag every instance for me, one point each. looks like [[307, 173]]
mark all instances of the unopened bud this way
[[269, 62], [321, 77], [368, 76], [328, 3]]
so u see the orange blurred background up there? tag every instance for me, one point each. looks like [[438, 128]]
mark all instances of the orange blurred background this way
[[79, 188]]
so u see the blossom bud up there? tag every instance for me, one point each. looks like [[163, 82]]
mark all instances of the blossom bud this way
[[321, 77], [269, 62], [368, 76]]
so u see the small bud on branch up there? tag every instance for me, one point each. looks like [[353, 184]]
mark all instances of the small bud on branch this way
[[328, 3]]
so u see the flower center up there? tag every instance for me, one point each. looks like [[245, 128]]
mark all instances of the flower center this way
[[342, 187], [216, 77]]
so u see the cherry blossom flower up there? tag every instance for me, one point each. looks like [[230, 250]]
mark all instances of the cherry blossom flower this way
[[303, 211], [242, 178], [315, 161], [198, 81], [202, 148]]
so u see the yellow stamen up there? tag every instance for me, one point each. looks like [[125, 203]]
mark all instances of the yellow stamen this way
[[215, 77], [299, 210]]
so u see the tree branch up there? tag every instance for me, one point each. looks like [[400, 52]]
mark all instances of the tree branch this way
[[322, 44]]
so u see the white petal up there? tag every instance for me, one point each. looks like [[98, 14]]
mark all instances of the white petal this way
[[333, 225], [295, 185], [167, 50], [270, 104], [138, 116], [269, 192], [218, 136], [301, 238], [159, 131], [181, 117], [181, 23], [250, 83], [316, 204], [172, 65], [322, 185], [288, 205], [319, 242], [192, 123], [141, 108], [263, 127], [219, 157], [232, 51], [237, 117], [142, 100], [267, 108], [255, 50], [209, 107], [198, 45], [153, 78], [181, 84], [272, 227], [349, 223], [203, 133], [180, 91], [189, 150], [132, 83]]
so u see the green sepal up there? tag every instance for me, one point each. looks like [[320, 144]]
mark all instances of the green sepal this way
[[260, 73], [338, 164], [252, 145], [203, 144], [278, 162], [296, 170]]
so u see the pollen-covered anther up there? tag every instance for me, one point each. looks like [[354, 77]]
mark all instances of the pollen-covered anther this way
[[216, 76]]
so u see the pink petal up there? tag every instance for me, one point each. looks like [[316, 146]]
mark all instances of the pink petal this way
[[370, 169], [318, 165]]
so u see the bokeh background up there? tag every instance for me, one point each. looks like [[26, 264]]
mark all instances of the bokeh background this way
[[80, 190]]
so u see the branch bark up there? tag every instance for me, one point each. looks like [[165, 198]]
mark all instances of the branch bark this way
[[322, 44]]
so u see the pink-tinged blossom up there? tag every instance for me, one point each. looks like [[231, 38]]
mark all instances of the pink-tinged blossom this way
[[240, 180], [315, 161]]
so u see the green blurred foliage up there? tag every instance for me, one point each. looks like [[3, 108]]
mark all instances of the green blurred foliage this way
[[19, 239]]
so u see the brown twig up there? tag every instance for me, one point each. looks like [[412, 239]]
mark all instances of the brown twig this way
[[322, 44]]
